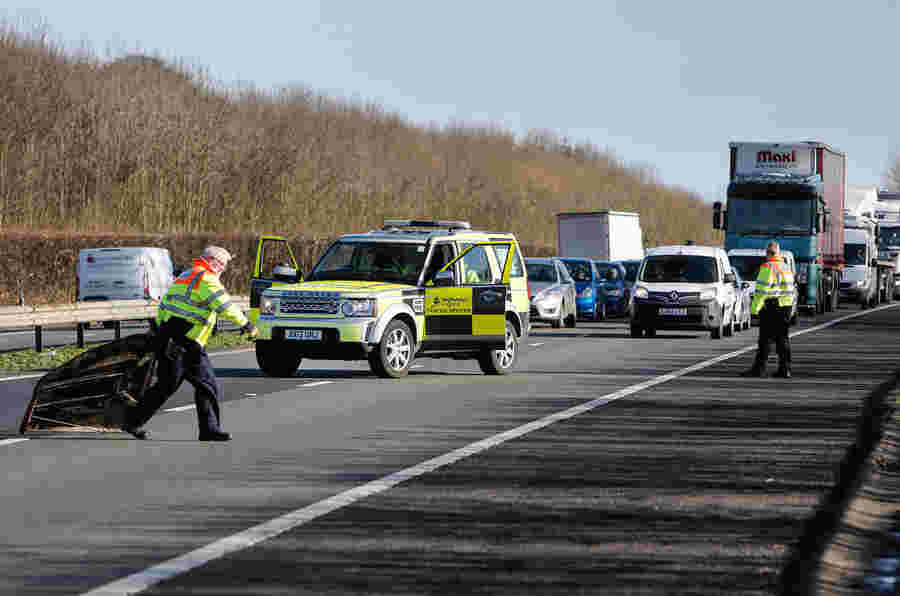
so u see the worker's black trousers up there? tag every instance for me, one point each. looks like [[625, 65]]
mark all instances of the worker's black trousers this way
[[774, 323], [174, 366]]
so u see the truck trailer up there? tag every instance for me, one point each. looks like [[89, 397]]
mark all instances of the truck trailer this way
[[789, 192], [887, 212], [600, 235], [867, 278]]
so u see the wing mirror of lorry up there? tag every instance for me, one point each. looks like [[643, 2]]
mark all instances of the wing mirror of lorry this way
[[443, 279]]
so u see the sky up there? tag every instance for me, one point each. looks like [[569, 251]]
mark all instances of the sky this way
[[663, 85]]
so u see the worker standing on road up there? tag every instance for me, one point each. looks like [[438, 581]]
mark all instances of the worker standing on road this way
[[186, 318], [773, 300]]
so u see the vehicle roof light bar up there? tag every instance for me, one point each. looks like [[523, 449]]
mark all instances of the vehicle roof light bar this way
[[420, 223]]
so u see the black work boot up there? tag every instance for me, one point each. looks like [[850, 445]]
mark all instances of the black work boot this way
[[137, 432], [215, 436], [756, 370]]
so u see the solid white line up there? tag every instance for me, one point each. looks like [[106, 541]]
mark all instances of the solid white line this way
[[181, 408], [20, 378], [537, 344], [11, 441], [252, 536], [316, 383]]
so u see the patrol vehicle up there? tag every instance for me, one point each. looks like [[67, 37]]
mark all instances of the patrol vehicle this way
[[412, 289]]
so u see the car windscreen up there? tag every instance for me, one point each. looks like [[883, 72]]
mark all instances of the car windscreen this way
[[541, 272], [371, 261], [579, 270], [680, 269], [631, 270], [855, 254], [748, 265]]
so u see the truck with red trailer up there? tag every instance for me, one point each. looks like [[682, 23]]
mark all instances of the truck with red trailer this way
[[790, 192]]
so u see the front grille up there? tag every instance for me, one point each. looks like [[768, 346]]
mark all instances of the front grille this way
[[666, 297], [319, 306]]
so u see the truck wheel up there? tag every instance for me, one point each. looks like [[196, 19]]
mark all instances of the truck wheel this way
[[716, 332], [650, 332], [501, 362], [393, 355], [571, 321], [636, 331], [276, 359], [728, 330], [600, 311]]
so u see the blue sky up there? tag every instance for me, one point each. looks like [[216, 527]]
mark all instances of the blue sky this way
[[662, 84]]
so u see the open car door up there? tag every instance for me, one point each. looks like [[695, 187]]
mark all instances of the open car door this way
[[93, 390], [275, 266], [465, 304]]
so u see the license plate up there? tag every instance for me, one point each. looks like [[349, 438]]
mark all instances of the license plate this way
[[673, 312], [307, 334]]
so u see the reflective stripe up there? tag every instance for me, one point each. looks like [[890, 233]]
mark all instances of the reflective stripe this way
[[223, 307], [194, 283], [208, 301], [182, 313]]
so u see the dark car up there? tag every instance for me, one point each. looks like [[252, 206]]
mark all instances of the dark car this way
[[613, 275], [589, 285], [631, 272]]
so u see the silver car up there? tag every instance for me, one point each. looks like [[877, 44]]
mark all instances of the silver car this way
[[552, 292]]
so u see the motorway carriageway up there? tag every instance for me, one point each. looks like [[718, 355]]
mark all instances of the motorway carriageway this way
[[604, 464]]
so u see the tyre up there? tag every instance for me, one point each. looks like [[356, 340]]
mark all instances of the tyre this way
[[650, 332], [636, 331], [728, 330], [277, 358], [600, 311], [571, 321], [395, 351], [716, 332], [501, 362], [794, 318], [748, 320]]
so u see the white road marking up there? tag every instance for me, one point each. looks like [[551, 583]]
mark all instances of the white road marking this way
[[315, 383], [417, 366], [537, 344], [242, 540], [20, 378], [181, 408], [11, 441]]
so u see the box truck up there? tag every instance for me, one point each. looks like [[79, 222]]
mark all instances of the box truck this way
[[600, 235]]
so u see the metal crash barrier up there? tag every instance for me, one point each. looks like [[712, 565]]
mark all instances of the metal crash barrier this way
[[82, 313]]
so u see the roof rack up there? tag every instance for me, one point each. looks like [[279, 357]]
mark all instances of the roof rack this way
[[420, 223]]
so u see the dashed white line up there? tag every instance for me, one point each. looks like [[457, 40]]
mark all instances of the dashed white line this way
[[540, 343], [242, 540], [315, 383], [417, 366], [11, 441], [181, 408]]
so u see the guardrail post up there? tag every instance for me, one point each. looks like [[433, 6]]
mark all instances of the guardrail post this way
[[118, 328], [79, 334], [38, 338]]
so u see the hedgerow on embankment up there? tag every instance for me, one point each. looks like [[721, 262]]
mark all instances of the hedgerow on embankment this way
[[140, 147]]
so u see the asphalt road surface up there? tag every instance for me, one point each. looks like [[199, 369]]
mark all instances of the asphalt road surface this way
[[605, 464]]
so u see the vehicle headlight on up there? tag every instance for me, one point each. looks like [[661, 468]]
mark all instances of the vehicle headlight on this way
[[802, 272], [358, 307], [641, 293], [586, 293], [268, 306], [709, 294]]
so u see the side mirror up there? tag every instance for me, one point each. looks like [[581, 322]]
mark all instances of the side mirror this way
[[717, 215], [283, 273], [443, 278], [730, 278], [874, 262], [179, 269], [745, 285]]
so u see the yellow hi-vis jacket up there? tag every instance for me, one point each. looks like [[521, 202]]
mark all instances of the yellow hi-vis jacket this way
[[199, 297], [774, 281]]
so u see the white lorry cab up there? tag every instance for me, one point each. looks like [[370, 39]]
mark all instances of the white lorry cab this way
[[123, 273], [684, 287]]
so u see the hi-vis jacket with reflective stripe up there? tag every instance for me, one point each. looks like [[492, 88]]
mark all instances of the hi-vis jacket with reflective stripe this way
[[199, 297], [774, 281]]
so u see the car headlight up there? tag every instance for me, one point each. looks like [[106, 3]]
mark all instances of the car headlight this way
[[709, 294], [268, 306], [358, 307], [586, 293], [549, 296], [641, 293]]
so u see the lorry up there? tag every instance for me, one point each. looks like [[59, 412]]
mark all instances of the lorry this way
[[789, 192], [600, 235], [887, 212]]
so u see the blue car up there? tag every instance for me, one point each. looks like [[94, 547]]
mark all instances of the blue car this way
[[614, 285], [590, 301]]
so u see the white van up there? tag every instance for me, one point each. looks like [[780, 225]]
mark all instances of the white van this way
[[123, 273], [684, 287]]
